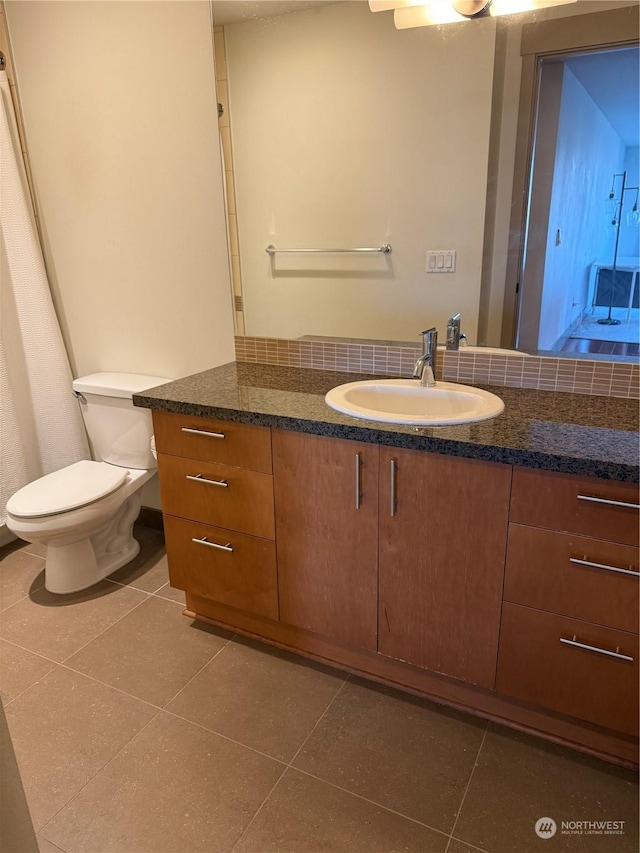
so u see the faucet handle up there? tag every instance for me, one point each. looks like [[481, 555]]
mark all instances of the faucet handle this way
[[430, 338]]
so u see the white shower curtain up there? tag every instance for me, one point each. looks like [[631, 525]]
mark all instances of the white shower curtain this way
[[41, 427]]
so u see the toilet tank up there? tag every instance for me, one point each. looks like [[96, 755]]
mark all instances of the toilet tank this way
[[119, 432]]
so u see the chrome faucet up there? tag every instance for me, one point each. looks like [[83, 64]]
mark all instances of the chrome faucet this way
[[425, 368], [454, 335]]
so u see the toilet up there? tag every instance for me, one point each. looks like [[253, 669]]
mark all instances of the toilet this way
[[84, 513]]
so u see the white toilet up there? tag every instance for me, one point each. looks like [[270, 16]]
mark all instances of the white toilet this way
[[85, 512]]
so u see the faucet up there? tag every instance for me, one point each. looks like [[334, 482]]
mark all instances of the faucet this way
[[425, 368], [454, 335]]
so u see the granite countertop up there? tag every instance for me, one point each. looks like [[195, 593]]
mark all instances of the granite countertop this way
[[557, 431]]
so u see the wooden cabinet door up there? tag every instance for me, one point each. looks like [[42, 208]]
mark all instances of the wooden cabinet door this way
[[442, 554], [326, 534]]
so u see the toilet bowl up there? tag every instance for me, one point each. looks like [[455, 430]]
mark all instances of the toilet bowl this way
[[84, 513]]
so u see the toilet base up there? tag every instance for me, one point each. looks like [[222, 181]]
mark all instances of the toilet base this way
[[79, 565]]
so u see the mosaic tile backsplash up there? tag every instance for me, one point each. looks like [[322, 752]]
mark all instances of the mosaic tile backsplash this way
[[580, 376]]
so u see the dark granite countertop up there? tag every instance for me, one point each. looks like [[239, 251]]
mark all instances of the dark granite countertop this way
[[557, 431]]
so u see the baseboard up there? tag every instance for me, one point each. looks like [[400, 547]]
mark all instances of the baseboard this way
[[151, 517]]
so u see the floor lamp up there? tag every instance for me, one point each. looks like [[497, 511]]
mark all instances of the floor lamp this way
[[616, 222]]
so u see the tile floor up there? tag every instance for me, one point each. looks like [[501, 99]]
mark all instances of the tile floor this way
[[138, 731]]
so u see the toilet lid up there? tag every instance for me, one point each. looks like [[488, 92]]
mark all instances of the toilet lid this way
[[70, 488]]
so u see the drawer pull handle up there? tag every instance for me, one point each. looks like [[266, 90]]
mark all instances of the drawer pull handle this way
[[585, 562], [607, 501], [203, 432], [394, 501], [198, 478], [617, 654], [358, 481], [204, 541]]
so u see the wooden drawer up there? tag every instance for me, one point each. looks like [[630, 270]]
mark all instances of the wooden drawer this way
[[213, 441], [536, 667], [244, 577], [540, 573], [575, 505], [197, 491]]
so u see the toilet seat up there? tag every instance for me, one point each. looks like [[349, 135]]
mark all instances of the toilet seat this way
[[70, 488]]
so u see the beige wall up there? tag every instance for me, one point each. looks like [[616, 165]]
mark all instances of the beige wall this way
[[119, 110], [348, 132]]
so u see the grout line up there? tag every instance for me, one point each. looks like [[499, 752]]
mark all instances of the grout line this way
[[374, 803], [203, 667], [120, 618], [100, 769], [293, 758], [111, 687], [224, 737], [466, 790]]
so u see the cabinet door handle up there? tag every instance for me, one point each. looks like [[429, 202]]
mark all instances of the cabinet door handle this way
[[585, 562], [607, 501], [204, 541], [203, 432], [393, 472], [578, 645], [358, 481], [198, 478]]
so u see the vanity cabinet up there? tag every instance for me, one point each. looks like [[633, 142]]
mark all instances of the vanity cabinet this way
[[326, 497], [505, 591], [217, 497], [569, 639], [443, 529]]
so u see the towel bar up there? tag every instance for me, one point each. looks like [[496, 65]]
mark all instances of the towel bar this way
[[385, 249]]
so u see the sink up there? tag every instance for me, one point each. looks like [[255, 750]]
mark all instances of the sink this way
[[406, 401]]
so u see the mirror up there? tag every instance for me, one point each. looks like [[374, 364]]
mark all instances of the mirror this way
[[341, 132]]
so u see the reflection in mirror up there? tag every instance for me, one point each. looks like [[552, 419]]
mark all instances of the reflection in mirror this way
[[341, 132]]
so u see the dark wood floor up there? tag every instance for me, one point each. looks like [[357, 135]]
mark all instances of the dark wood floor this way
[[589, 345]]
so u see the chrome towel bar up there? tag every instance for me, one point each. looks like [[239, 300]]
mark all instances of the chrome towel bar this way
[[385, 249]]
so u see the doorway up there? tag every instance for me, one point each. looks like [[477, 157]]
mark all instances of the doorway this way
[[572, 280], [581, 260]]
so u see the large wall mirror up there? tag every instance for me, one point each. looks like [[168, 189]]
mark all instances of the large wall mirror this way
[[339, 132]]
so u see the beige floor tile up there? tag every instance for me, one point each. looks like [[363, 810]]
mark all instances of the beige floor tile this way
[[152, 652], [404, 753], [175, 788], [20, 574], [148, 570], [304, 815], [168, 591], [520, 779], [56, 626], [64, 729], [260, 696], [19, 669]]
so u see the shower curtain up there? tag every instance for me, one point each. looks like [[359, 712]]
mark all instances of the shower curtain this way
[[41, 428]]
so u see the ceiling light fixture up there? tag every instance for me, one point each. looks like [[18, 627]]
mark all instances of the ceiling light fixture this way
[[417, 13]]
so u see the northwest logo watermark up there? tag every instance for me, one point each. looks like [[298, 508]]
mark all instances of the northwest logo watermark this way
[[546, 827]]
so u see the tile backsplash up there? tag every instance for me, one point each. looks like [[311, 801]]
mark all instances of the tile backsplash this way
[[580, 376]]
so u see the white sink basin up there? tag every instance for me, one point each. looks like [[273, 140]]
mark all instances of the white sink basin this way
[[406, 401]]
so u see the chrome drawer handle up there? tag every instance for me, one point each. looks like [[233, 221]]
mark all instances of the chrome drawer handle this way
[[205, 541], [203, 432], [585, 562], [393, 474], [617, 654], [198, 478], [358, 481], [608, 502]]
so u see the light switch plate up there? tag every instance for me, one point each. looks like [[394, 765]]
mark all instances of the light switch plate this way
[[441, 260]]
